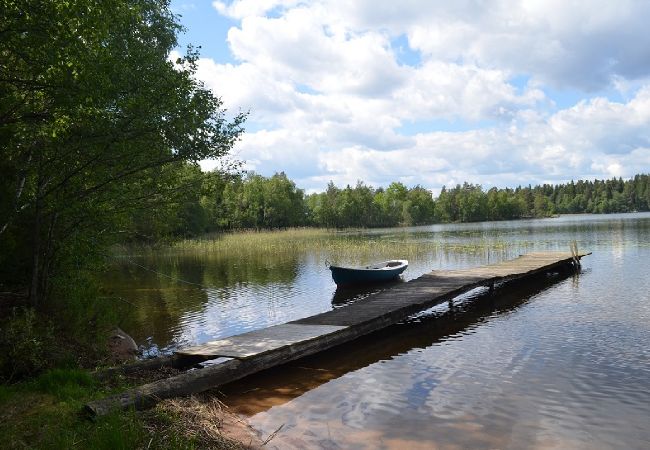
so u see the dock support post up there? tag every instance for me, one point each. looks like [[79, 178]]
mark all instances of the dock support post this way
[[574, 253]]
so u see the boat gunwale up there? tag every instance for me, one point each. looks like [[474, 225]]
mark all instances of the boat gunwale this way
[[376, 267]]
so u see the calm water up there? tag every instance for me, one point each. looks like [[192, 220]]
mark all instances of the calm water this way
[[553, 363]]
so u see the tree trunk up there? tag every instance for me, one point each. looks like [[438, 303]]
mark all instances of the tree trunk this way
[[36, 250], [19, 193], [47, 256], [34, 288]]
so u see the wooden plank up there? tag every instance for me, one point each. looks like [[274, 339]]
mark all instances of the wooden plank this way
[[262, 349], [200, 380], [260, 341], [436, 284], [176, 361]]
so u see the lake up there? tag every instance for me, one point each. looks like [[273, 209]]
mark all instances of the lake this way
[[558, 362]]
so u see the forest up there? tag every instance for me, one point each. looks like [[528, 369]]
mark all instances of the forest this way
[[217, 201]]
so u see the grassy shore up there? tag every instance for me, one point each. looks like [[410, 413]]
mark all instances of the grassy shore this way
[[47, 413]]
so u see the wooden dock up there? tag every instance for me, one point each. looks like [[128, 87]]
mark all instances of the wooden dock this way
[[241, 355]]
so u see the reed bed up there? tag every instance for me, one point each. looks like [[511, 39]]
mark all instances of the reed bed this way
[[345, 245]]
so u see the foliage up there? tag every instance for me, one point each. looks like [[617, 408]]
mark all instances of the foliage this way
[[259, 202], [230, 201], [73, 336], [96, 126], [221, 201], [24, 343], [364, 206]]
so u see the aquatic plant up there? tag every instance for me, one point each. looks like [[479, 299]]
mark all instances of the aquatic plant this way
[[350, 245]]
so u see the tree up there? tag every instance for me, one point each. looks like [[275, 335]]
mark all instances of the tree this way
[[419, 207], [214, 198], [472, 203], [283, 202], [444, 206], [252, 202], [542, 205], [329, 208], [93, 116], [391, 202]]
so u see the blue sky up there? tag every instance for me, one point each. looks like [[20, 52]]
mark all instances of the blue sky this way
[[430, 93]]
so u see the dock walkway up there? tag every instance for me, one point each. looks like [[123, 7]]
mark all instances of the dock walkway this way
[[241, 355]]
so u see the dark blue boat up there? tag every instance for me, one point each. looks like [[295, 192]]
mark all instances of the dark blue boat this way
[[385, 271]]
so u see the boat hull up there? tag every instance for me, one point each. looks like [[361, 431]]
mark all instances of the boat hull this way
[[349, 276]]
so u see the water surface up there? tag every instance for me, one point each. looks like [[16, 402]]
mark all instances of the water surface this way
[[557, 362]]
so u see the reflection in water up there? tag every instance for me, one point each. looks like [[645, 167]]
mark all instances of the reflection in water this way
[[565, 367], [346, 295], [279, 385], [184, 299], [557, 364]]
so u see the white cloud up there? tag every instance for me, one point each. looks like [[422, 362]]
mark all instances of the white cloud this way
[[302, 47], [570, 144], [246, 8], [583, 44], [447, 90], [330, 97]]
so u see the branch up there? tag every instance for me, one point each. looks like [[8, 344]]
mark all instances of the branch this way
[[19, 193]]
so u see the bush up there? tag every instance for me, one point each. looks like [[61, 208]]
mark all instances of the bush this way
[[24, 343]]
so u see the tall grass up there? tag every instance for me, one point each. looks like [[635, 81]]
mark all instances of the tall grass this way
[[333, 244]]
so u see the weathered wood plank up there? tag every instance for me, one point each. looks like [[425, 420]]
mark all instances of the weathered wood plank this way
[[200, 380], [261, 341], [176, 361], [276, 345]]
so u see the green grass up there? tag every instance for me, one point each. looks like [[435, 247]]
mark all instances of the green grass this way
[[65, 384], [46, 413], [333, 244]]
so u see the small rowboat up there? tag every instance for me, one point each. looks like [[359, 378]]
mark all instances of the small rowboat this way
[[384, 271]]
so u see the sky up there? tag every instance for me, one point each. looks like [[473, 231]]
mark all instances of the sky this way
[[500, 93]]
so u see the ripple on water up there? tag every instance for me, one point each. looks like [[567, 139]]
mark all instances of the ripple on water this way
[[559, 371], [565, 365]]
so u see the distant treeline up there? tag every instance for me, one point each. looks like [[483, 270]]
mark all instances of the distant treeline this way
[[215, 201]]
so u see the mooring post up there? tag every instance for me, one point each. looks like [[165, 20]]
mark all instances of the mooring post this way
[[574, 252]]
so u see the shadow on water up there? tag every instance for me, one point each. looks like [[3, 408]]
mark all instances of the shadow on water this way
[[347, 295], [279, 385]]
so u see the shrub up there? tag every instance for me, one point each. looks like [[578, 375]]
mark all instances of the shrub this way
[[24, 343]]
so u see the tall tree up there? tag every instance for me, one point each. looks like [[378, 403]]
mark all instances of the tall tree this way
[[92, 115]]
